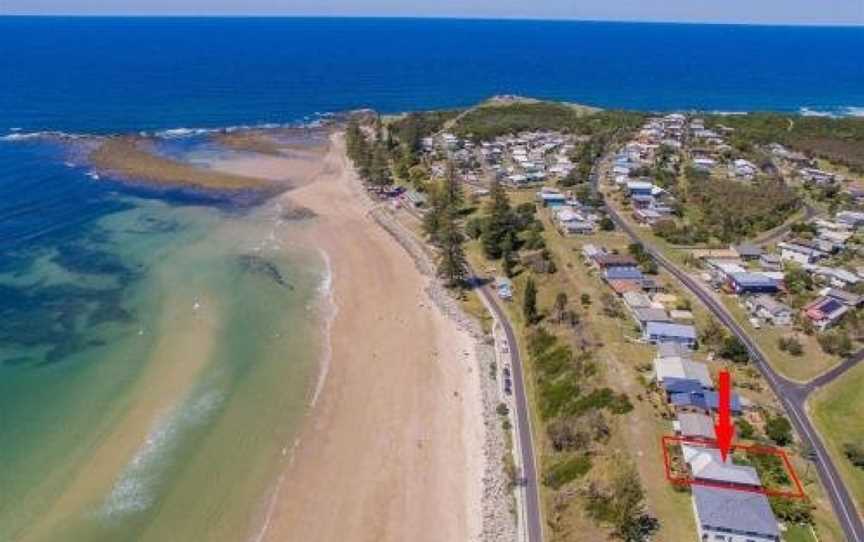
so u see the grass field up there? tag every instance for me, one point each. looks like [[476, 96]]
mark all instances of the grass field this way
[[837, 410]]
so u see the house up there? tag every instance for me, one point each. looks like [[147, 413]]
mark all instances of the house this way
[[686, 316], [824, 312], [622, 273], [649, 314], [636, 300], [752, 283], [659, 332], [695, 425], [569, 221], [771, 262], [801, 254], [835, 276], [851, 218], [770, 310], [730, 515], [639, 188], [622, 286], [590, 252], [605, 261], [670, 349], [550, 197], [748, 252], [677, 386], [703, 401], [647, 216], [847, 298], [707, 466], [682, 368]]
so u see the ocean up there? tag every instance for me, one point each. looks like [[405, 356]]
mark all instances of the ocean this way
[[172, 318]]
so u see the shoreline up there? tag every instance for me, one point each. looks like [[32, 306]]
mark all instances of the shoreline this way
[[458, 441]]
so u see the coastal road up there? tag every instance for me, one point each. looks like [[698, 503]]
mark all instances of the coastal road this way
[[532, 517], [792, 395], [523, 419]]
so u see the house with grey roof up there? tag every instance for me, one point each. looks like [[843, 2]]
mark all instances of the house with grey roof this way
[[707, 466], [729, 515], [645, 315], [695, 425], [770, 310], [659, 332]]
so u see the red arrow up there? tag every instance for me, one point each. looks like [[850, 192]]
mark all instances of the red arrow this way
[[724, 428]]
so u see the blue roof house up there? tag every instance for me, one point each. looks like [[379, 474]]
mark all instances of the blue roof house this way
[[704, 400], [662, 332], [623, 273], [752, 283]]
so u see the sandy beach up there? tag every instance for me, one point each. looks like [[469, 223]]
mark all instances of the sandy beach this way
[[392, 449]]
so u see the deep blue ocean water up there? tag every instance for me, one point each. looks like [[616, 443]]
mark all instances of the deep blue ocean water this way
[[105, 74]]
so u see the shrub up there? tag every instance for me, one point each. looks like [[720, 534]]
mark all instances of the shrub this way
[[566, 471], [745, 429], [779, 430], [855, 453], [733, 349]]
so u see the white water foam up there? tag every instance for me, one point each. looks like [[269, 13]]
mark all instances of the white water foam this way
[[328, 293], [832, 112], [136, 488]]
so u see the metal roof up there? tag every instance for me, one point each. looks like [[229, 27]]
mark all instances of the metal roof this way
[[734, 511]]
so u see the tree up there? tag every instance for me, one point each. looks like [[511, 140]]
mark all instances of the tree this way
[[606, 224], [508, 260], [779, 430], [585, 299], [560, 306], [836, 342], [623, 506], [379, 174], [854, 452], [452, 193], [499, 222], [452, 265], [791, 345], [797, 280], [733, 349], [433, 218], [529, 302]]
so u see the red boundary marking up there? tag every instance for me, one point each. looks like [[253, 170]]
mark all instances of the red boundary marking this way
[[666, 440]]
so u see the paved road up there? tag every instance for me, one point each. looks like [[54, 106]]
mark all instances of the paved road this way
[[792, 395], [776, 234], [529, 467]]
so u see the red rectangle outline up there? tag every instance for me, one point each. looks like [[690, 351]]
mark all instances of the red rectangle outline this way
[[666, 440]]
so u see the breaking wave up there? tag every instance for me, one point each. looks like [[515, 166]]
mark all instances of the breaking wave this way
[[137, 487]]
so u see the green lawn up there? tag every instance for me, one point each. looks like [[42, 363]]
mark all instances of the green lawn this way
[[837, 411]]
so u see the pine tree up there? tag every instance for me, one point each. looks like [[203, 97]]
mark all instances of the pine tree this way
[[500, 222], [529, 303], [452, 265], [453, 194], [380, 174], [436, 207]]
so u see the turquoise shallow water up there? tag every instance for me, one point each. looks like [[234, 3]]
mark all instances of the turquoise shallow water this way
[[157, 353]]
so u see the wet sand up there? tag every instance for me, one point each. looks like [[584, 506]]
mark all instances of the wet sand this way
[[132, 158]]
